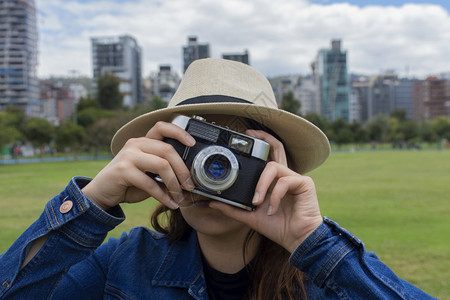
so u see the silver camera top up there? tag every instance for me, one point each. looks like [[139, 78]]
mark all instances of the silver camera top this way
[[239, 141]]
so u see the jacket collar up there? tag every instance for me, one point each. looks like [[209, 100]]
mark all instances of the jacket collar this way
[[182, 267]]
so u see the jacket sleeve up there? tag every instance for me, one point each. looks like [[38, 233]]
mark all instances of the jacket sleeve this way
[[336, 263], [75, 226]]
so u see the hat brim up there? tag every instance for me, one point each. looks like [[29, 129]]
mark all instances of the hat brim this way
[[306, 146]]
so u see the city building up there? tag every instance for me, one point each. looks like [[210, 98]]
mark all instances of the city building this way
[[193, 51], [282, 85], [303, 89], [165, 82], [404, 96], [121, 56], [306, 93], [58, 100], [242, 57], [331, 79], [354, 115], [18, 55], [381, 95], [431, 98], [360, 94]]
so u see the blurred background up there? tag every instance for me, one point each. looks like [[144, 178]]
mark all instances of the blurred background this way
[[368, 73], [373, 75]]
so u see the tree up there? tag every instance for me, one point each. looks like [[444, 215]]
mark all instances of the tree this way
[[399, 114], [344, 136], [9, 132], [11, 122], [359, 134], [39, 131], [88, 116], [378, 128], [100, 134], [289, 103], [17, 116], [70, 135], [394, 133], [441, 126], [409, 130], [157, 103], [8, 135], [87, 102], [108, 93], [317, 120], [340, 133], [427, 134]]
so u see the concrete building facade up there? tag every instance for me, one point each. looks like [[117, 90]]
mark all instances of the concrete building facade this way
[[165, 82], [331, 79], [121, 56], [193, 51], [431, 98], [18, 55], [58, 100], [241, 57]]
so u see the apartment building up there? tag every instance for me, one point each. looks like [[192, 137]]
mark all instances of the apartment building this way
[[120, 56], [18, 55]]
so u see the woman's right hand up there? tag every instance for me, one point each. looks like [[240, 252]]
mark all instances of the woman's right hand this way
[[124, 178]]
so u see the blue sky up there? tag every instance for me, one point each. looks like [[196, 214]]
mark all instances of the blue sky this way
[[282, 37], [362, 3]]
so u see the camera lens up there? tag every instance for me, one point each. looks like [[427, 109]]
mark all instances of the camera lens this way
[[217, 167], [214, 168]]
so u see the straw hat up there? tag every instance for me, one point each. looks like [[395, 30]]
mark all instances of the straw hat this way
[[218, 86]]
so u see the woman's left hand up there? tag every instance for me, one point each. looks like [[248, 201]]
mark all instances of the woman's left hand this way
[[287, 205]]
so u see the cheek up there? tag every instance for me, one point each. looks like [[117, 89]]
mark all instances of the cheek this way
[[209, 221]]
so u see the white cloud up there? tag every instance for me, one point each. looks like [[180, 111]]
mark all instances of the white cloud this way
[[283, 37]]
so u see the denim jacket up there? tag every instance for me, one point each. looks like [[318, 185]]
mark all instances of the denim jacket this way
[[74, 264]]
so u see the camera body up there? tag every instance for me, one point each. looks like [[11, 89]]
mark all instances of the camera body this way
[[225, 165]]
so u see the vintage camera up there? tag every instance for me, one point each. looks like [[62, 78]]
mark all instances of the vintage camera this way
[[225, 165]]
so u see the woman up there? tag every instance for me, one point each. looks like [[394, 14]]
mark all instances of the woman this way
[[203, 249]]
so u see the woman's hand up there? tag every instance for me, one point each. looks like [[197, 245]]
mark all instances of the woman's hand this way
[[287, 205], [124, 178]]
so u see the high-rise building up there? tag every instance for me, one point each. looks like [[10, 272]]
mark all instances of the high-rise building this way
[[431, 98], [361, 88], [381, 95], [18, 55], [242, 57], [354, 114], [193, 51], [121, 56], [165, 82], [331, 79], [404, 96]]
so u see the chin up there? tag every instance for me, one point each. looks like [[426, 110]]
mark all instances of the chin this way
[[208, 220]]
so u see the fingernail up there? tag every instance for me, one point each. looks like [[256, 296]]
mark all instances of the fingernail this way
[[174, 204], [269, 210], [189, 184], [190, 140], [180, 197], [255, 198]]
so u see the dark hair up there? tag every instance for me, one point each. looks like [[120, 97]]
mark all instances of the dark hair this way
[[272, 276]]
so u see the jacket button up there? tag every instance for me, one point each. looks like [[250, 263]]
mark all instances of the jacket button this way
[[66, 207]]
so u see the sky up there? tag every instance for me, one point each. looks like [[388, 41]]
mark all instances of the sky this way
[[283, 37]]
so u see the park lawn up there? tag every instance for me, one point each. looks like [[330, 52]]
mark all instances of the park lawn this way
[[397, 202]]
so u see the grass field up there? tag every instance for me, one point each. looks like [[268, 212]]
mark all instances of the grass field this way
[[397, 202]]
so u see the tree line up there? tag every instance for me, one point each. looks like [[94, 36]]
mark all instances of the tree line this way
[[91, 128], [395, 128], [96, 119]]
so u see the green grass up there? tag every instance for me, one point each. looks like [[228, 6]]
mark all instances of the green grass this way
[[397, 202]]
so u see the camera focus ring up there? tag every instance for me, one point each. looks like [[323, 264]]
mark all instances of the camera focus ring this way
[[215, 168]]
